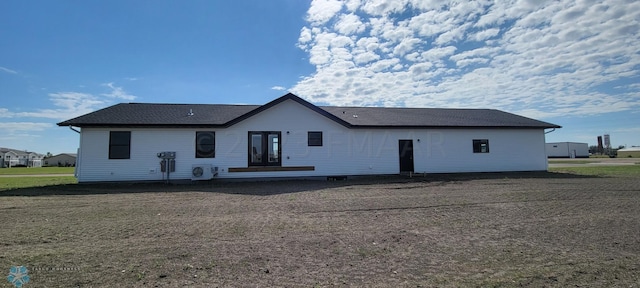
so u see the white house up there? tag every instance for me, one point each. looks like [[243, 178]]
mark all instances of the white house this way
[[10, 158], [567, 150], [13, 157], [290, 137]]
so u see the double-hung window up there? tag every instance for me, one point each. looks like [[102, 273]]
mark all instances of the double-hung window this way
[[120, 145]]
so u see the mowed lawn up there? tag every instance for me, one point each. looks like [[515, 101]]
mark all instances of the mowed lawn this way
[[497, 229], [23, 177], [36, 170]]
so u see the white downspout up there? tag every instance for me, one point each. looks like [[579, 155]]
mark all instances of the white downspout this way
[[545, 148], [76, 170]]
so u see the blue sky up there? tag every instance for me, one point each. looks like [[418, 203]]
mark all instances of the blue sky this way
[[572, 63]]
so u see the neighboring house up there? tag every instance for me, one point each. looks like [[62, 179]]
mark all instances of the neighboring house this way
[[9, 157], [567, 150], [61, 160], [631, 152], [33, 159], [13, 157], [290, 137]]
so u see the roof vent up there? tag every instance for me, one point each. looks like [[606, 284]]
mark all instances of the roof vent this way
[[190, 112], [355, 116]]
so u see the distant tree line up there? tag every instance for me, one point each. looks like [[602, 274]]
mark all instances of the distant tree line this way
[[593, 149]]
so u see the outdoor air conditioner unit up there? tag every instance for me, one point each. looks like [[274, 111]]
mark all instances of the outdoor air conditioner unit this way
[[201, 172]]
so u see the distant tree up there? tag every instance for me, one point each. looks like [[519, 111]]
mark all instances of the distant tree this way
[[621, 147], [48, 155], [593, 149]]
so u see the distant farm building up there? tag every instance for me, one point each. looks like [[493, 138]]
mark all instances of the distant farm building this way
[[567, 150], [631, 152], [61, 160]]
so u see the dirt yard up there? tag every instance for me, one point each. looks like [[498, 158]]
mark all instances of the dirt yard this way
[[531, 229]]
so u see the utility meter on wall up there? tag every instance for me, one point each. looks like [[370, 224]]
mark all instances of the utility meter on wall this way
[[167, 155]]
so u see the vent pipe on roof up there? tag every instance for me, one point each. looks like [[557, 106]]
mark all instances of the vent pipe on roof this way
[[190, 112]]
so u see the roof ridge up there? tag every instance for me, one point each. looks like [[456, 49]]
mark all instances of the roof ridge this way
[[417, 108], [196, 104], [226, 115]]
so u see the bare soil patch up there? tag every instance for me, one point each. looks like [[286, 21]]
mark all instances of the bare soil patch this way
[[515, 229]]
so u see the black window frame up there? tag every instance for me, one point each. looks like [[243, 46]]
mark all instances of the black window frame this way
[[477, 145], [119, 141], [313, 140], [199, 148], [264, 149]]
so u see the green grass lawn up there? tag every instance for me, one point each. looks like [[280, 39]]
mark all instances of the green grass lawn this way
[[36, 170], [8, 183], [570, 161], [604, 171]]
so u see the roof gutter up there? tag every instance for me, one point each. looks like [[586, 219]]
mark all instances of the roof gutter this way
[[74, 130]]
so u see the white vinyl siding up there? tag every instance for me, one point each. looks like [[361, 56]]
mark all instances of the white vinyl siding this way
[[344, 151]]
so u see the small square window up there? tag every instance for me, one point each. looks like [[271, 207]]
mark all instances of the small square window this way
[[481, 146], [314, 138]]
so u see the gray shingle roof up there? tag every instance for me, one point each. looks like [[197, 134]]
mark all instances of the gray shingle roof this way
[[149, 114], [213, 115], [16, 151], [433, 117]]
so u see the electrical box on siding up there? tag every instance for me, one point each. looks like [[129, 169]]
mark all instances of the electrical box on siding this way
[[172, 165]]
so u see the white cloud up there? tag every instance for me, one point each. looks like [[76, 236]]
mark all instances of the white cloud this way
[[628, 130], [117, 92], [305, 36], [452, 35], [541, 58], [383, 7], [405, 46], [384, 64], [352, 5], [349, 24], [485, 34], [7, 70], [66, 105], [368, 43], [438, 53], [5, 113], [366, 57], [13, 127], [278, 88], [321, 11]]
